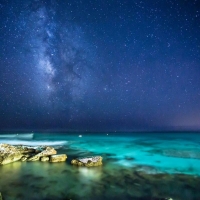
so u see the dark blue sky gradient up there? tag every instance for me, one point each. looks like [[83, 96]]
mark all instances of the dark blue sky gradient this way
[[106, 65]]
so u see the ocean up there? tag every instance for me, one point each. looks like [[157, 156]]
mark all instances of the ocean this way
[[142, 166]]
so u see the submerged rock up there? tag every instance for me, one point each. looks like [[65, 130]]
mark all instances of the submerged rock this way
[[88, 161], [1, 196], [58, 158], [47, 152], [9, 154], [177, 153], [147, 169], [181, 154]]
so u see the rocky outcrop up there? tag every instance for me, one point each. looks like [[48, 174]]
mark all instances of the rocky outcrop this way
[[88, 161], [58, 158], [47, 152], [9, 154]]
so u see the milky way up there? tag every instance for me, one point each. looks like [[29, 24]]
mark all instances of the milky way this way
[[95, 66], [60, 56]]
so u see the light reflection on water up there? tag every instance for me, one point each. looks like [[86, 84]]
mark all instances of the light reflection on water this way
[[90, 173]]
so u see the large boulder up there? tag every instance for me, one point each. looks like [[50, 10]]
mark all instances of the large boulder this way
[[58, 158], [88, 161], [47, 152], [9, 154]]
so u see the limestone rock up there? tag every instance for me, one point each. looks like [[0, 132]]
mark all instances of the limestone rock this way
[[44, 159], [25, 149], [88, 161], [58, 158], [9, 154], [47, 152]]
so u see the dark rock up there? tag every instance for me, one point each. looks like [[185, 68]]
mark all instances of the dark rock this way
[[147, 169], [176, 153], [129, 158]]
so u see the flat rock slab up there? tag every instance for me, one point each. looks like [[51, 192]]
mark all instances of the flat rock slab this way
[[58, 158], [88, 161]]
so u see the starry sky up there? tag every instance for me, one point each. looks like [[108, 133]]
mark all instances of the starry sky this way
[[90, 65]]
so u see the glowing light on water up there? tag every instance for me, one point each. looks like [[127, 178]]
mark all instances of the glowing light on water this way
[[90, 173]]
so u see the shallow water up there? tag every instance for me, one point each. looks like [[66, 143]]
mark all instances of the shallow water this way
[[136, 166]]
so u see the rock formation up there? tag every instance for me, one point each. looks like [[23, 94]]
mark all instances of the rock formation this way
[[47, 152], [88, 161], [9, 153]]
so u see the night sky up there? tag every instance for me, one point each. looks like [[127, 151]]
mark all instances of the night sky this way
[[91, 65]]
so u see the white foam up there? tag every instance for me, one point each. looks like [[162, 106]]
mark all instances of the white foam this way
[[18, 136], [33, 143]]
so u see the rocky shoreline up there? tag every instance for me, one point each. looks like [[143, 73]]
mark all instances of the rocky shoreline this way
[[10, 153]]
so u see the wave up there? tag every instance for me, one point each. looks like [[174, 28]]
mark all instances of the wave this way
[[32, 142], [18, 136]]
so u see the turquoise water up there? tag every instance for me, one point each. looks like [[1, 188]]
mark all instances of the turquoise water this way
[[136, 166]]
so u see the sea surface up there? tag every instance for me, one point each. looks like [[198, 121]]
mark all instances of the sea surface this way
[[140, 166]]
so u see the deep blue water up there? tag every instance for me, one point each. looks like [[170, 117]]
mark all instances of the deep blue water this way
[[136, 166]]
